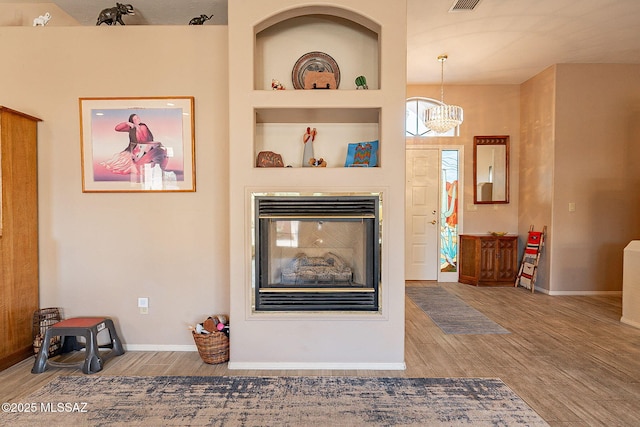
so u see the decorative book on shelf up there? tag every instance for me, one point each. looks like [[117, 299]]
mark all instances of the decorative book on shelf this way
[[362, 154]]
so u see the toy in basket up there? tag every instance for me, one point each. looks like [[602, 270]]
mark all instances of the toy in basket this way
[[212, 339]]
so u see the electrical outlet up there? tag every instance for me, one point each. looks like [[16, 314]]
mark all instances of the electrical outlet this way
[[143, 305]]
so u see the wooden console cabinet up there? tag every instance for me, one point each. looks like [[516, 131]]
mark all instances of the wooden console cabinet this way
[[18, 235], [488, 260]]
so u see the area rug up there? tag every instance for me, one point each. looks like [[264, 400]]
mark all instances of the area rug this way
[[273, 401], [451, 314]]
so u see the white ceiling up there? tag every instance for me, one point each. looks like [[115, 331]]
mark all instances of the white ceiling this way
[[499, 42], [510, 41]]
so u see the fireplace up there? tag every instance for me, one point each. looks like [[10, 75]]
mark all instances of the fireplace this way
[[317, 253]]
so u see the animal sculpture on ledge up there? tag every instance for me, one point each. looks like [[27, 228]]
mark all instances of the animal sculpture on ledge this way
[[276, 85], [318, 163], [200, 20], [42, 20], [113, 15]]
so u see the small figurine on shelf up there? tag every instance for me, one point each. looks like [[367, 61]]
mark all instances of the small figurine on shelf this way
[[361, 82], [42, 20], [318, 163], [308, 138], [200, 20], [276, 85], [269, 159], [113, 15]]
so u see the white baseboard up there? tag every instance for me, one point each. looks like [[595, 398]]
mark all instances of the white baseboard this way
[[582, 293], [276, 365], [630, 322], [318, 366], [159, 347]]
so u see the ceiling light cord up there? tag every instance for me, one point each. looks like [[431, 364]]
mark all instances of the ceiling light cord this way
[[442, 58]]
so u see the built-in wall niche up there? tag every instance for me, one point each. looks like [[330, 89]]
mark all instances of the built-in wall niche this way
[[281, 130], [352, 41]]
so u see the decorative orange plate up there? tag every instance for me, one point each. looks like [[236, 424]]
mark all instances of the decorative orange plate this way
[[314, 61]]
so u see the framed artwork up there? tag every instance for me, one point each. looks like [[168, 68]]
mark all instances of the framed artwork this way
[[137, 144]]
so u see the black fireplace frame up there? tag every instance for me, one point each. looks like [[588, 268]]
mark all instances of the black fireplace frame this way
[[364, 297]]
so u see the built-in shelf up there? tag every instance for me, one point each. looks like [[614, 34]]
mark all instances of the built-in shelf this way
[[342, 116], [317, 115], [279, 46], [317, 98], [281, 130]]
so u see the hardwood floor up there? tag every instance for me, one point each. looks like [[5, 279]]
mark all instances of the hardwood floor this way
[[568, 357]]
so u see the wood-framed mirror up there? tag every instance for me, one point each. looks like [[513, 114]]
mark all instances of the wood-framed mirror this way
[[491, 169]]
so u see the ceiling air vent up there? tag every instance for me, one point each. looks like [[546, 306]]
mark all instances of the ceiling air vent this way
[[463, 5]]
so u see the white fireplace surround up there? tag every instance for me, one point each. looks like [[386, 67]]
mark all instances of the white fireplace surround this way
[[365, 38]]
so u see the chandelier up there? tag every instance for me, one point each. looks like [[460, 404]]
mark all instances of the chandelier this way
[[443, 117]]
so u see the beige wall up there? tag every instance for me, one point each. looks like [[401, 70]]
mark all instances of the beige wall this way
[[575, 139], [488, 110], [100, 252], [536, 164], [597, 149], [581, 145]]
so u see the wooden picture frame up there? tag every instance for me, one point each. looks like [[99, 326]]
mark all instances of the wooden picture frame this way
[[491, 169], [137, 144]]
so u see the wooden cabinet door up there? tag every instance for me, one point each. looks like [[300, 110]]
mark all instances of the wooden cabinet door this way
[[19, 235], [469, 260], [507, 262], [488, 258]]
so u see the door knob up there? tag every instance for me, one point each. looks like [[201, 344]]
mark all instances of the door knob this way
[[434, 222]]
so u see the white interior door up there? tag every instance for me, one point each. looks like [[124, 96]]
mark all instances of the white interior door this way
[[421, 214]]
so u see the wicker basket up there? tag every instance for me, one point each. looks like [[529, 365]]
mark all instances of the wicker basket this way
[[213, 347], [43, 319]]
